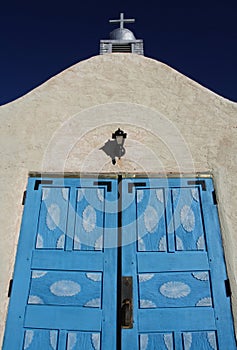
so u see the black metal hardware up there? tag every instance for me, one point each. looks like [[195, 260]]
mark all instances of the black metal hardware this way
[[198, 182], [119, 136], [214, 197], [23, 198], [10, 288], [108, 184], [127, 303], [42, 182], [135, 184], [119, 133], [227, 288]]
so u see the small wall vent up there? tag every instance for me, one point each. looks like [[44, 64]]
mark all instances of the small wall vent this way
[[122, 48]]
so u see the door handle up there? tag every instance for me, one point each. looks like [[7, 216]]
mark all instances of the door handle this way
[[127, 303], [127, 313]]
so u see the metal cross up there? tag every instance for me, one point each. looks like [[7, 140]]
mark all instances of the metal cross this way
[[122, 20]]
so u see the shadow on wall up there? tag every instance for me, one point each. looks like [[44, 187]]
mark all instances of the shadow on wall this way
[[115, 148], [110, 149]]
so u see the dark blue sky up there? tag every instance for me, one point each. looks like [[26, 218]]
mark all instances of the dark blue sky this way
[[39, 39]]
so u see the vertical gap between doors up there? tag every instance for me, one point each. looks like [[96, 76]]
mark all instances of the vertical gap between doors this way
[[119, 265]]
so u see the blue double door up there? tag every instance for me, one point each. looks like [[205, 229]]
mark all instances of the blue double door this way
[[119, 264]]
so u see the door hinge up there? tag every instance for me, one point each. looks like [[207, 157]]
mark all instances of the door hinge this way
[[227, 288], [127, 302], [135, 184], [214, 197], [10, 288], [24, 198], [198, 182], [108, 184]]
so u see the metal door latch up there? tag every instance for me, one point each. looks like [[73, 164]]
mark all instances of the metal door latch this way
[[127, 303]]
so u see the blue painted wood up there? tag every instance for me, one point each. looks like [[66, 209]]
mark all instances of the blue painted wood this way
[[82, 340], [62, 340], [188, 227], [170, 238], [70, 221], [178, 340], [185, 261], [179, 258], [59, 285], [150, 213], [176, 319], [66, 317], [199, 340], [73, 262], [172, 341], [52, 224], [40, 338], [89, 223], [160, 341], [174, 289], [64, 290], [35, 339]]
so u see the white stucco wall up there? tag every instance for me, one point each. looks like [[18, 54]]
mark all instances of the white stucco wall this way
[[173, 124]]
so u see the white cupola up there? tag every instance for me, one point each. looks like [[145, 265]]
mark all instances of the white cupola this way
[[121, 39]]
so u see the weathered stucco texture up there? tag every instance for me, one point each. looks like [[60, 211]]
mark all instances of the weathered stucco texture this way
[[174, 125]]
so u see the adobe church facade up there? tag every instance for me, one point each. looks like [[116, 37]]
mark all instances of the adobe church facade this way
[[175, 129]]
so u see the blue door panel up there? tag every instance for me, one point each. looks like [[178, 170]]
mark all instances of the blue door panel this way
[[66, 317], [172, 248], [150, 215], [35, 339], [159, 341], [64, 288], [188, 226], [184, 341], [52, 225], [176, 319], [199, 340], [40, 338], [174, 289], [89, 222], [83, 340], [172, 262], [76, 261]]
